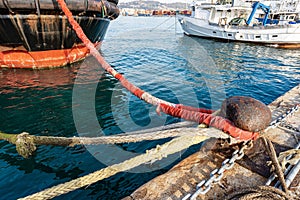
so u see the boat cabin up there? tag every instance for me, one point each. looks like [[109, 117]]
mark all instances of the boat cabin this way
[[238, 13], [221, 15], [222, 12]]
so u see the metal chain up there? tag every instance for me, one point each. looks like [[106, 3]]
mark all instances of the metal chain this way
[[216, 175], [280, 121], [290, 171], [289, 126], [283, 117], [287, 170]]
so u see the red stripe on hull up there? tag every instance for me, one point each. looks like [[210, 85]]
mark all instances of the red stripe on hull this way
[[16, 58]]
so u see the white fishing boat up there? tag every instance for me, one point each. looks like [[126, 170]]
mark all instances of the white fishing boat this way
[[268, 22]]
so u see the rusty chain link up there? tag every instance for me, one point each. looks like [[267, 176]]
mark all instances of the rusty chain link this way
[[287, 170], [283, 117], [216, 175], [281, 121], [289, 126]]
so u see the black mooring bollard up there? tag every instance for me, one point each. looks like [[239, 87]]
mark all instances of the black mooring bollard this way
[[246, 113]]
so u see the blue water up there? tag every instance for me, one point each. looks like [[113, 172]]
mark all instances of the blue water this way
[[82, 100]]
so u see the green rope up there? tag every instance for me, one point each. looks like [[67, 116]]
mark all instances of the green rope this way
[[103, 9], [11, 138]]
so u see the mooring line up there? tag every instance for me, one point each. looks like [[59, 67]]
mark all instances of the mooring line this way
[[173, 109], [160, 24], [26, 144], [277, 168], [171, 147]]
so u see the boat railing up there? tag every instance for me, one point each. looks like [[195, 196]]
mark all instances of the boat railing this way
[[77, 6], [259, 27]]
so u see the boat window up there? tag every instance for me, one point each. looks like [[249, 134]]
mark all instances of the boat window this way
[[274, 35], [214, 32], [291, 17], [257, 36], [229, 34]]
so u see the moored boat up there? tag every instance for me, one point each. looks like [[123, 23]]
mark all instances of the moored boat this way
[[269, 22], [36, 34]]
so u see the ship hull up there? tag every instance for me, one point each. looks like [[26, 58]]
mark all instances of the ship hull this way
[[44, 38], [287, 36], [15, 58]]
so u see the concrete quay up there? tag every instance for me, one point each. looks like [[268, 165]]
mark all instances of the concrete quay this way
[[251, 171]]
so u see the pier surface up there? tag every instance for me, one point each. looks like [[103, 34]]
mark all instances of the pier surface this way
[[251, 171]]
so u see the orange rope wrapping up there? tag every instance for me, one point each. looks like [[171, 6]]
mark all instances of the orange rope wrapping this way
[[176, 110], [201, 110], [210, 120]]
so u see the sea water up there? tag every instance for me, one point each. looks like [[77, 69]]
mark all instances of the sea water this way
[[83, 100]]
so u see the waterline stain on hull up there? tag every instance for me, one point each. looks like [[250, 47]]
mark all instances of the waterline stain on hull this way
[[43, 59]]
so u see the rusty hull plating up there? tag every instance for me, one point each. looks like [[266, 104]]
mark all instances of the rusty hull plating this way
[[36, 34]]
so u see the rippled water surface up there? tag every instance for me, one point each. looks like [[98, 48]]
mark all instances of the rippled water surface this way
[[82, 100]]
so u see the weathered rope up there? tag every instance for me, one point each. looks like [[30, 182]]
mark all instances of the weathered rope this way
[[171, 107], [260, 193], [26, 144], [275, 123], [290, 157], [278, 170], [171, 147], [152, 155]]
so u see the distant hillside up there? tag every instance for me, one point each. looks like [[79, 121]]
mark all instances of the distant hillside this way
[[152, 5]]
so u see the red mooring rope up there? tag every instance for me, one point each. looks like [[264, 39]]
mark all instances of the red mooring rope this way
[[198, 115]]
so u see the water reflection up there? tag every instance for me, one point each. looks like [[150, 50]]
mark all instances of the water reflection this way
[[173, 67], [24, 78], [11, 79]]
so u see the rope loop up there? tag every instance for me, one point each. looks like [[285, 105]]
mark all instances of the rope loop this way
[[259, 193], [25, 145]]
